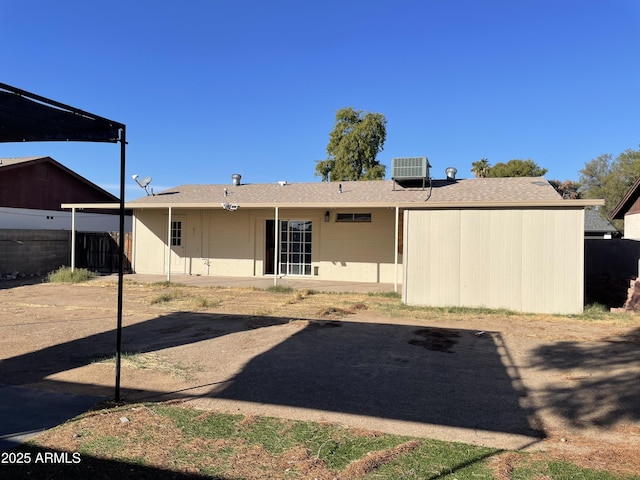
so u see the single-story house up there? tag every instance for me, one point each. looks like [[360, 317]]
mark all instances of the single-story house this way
[[487, 242], [35, 230], [628, 209]]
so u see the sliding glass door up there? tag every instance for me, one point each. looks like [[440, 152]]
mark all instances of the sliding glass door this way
[[295, 247]]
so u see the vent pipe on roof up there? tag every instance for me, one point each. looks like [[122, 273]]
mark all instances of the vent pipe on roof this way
[[235, 178], [451, 173]]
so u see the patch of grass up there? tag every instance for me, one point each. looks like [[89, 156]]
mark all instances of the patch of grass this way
[[199, 424], [567, 470], [169, 441], [300, 295], [594, 311], [526, 468], [336, 446], [280, 289], [453, 310], [263, 312], [66, 275], [204, 302], [152, 361], [166, 297], [167, 283], [394, 295]]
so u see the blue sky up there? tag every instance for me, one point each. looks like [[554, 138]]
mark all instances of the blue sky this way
[[211, 88]]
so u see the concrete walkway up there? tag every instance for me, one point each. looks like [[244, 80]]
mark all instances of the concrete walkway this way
[[298, 283]]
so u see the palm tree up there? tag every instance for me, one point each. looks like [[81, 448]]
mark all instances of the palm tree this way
[[480, 168]]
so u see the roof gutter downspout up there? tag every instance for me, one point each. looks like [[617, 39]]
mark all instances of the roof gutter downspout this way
[[396, 244], [276, 255]]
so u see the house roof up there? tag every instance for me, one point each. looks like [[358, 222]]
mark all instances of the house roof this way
[[18, 162], [627, 202], [480, 192], [594, 222]]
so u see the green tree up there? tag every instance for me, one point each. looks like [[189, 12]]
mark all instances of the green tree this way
[[610, 179], [481, 168], [516, 168], [355, 141], [593, 176]]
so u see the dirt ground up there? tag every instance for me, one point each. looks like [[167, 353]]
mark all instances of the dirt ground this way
[[566, 386]]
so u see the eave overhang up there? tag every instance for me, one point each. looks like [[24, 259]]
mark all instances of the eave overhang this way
[[582, 203]]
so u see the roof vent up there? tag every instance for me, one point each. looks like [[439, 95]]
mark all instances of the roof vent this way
[[409, 167], [235, 178], [451, 173]]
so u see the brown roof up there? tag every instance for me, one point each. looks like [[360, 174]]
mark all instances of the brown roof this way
[[506, 190]]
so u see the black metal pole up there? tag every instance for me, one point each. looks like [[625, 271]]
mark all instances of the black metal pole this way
[[123, 143]]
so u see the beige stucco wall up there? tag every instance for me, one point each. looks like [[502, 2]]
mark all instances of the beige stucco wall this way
[[149, 235], [360, 251], [529, 260], [219, 242]]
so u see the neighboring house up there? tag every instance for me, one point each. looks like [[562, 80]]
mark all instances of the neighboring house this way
[[32, 190], [488, 242], [598, 227], [628, 209], [35, 231]]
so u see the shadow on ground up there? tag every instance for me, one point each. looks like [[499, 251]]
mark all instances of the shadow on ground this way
[[602, 380], [458, 378]]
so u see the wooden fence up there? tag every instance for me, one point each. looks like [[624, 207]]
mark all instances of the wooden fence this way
[[98, 251]]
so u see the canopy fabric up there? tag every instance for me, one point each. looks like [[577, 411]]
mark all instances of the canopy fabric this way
[[25, 117]]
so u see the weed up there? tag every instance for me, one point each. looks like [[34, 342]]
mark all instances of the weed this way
[[167, 283], [202, 302], [394, 295], [166, 297], [280, 289], [66, 275], [153, 362], [594, 311]]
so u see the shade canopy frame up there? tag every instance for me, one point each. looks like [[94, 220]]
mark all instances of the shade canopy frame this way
[[28, 117]]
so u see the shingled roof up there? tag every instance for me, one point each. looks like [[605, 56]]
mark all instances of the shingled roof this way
[[595, 223], [370, 193]]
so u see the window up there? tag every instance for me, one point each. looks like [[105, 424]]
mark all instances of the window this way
[[353, 217], [176, 233]]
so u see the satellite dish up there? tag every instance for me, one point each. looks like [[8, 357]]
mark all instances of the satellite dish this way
[[145, 181]]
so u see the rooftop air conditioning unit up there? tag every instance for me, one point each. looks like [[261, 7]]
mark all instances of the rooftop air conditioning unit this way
[[410, 167]]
